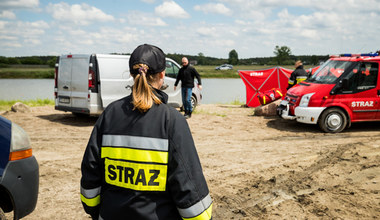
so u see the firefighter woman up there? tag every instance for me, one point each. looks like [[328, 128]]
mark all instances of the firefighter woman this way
[[140, 161], [298, 75]]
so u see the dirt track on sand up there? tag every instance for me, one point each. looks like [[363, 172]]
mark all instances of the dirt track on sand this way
[[256, 167]]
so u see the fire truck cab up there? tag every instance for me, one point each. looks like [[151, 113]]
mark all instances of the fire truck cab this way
[[345, 89]]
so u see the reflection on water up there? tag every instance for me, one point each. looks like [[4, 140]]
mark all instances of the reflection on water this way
[[26, 89], [214, 90], [222, 91]]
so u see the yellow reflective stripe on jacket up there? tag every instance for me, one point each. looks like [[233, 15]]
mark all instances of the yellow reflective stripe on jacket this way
[[90, 193], [91, 197], [201, 210], [136, 176], [206, 215], [291, 82], [143, 143], [90, 202], [120, 153], [301, 78]]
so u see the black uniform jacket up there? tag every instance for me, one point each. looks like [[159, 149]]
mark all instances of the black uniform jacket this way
[[143, 166], [297, 76], [186, 74]]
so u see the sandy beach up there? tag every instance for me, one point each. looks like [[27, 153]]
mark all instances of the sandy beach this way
[[256, 167]]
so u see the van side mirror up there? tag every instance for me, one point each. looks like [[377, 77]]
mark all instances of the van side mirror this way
[[341, 85]]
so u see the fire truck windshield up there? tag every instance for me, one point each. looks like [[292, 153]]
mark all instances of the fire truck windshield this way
[[330, 71]]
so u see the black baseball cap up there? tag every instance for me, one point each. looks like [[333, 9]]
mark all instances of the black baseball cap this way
[[150, 55]]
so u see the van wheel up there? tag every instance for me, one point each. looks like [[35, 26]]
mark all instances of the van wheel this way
[[333, 120], [194, 102], [2, 215]]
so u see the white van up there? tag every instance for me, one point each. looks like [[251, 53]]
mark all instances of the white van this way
[[86, 84]]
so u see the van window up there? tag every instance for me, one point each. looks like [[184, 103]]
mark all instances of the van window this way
[[171, 69], [363, 77], [330, 71]]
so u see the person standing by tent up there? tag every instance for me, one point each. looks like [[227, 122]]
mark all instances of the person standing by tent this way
[[298, 75], [186, 75], [140, 161]]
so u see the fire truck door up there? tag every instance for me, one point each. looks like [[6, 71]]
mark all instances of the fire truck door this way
[[378, 104], [364, 100]]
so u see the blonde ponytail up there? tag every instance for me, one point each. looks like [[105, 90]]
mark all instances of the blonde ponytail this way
[[142, 93]]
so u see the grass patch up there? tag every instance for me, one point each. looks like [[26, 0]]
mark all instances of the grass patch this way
[[236, 102], [26, 73], [204, 112], [6, 105]]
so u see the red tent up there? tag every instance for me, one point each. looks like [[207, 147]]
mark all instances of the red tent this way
[[259, 81]]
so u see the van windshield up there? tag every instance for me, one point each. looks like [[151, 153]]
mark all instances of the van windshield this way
[[330, 71]]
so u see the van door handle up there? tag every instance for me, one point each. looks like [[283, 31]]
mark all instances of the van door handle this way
[[66, 87], [128, 87]]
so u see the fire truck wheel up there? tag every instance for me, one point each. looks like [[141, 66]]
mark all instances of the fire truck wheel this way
[[333, 120]]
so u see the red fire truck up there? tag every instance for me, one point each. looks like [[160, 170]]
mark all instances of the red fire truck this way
[[345, 89]]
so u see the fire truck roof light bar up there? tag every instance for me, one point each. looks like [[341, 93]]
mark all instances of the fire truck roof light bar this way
[[361, 55]]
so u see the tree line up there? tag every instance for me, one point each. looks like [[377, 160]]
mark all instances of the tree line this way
[[28, 60], [282, 56]]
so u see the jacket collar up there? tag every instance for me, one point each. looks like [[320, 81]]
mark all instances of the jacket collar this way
[[161, 95]]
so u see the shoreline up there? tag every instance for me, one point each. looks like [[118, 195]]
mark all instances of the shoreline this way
[[206, 71]]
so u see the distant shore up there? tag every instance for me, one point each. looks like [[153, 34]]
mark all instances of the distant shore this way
[[16, 72]]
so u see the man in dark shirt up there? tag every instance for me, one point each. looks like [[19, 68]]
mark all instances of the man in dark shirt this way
[[186, 75]]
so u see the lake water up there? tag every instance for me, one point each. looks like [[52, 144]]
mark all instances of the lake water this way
[[214, 91]]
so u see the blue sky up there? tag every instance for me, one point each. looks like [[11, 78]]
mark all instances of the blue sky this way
[[212, 27]]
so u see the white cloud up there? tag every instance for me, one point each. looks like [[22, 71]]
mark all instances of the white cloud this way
[[225, 43], [82, 14], [11, 44], [71, 39], [23, 29], [3, 25], [217, 8], [17, 4], [207, 31], [144, 19], [7, 15], [22, 34], [171, 9], [34, 41], [8, 38]]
